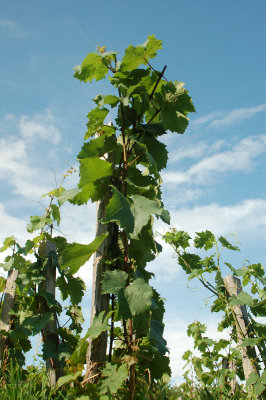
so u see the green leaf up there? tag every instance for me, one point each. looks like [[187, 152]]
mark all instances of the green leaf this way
[[92, 67], [92, 169], [96, 118], [224, 242], [36, 323], [8, 242], [253, 377], [142, 209], [37, 222], [114, 378], [2, 284], [67, 195], [91, 191], [99, 325], [158, 151], [63, 380], [135, 56], [156, 332], [49, 350], [118, 210], [97, 147], [174, 120], [71, 286], [250, 342], [56, 213], [177, 238], [205, 239], [109, 99], [114, 281], [259, 388], [139, 296], [242, 298], [74, 255], [263, 377]]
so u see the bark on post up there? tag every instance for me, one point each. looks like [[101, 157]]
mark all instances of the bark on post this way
[[97, 348], [8, 303], [249, 357], [50, 331]]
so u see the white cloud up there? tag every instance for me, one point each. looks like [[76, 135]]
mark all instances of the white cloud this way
[[7, 24], [221, 119], [22, 141], [245, 218], [40, 126], [196, 150], [237, 116], [239, 158]]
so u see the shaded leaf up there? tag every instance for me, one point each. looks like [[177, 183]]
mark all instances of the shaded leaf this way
[[139, 296], [75, 255], [114, 378], [99, 325], [114, 281]]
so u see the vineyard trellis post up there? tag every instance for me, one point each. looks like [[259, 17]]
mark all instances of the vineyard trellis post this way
[[249, 357], [8, 303], [49, 333]]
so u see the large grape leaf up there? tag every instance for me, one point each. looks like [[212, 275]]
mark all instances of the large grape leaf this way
[[114, 378], [92, 169], [96, 118], [99, 325], [74, 255], [114, 281], [92, 67], [139, 296], [97, 147], [135, 56], [118, 210], [142, 209], [156, 332]]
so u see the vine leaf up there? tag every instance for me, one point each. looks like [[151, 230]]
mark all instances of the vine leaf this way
[[204, 239], [114, 281], [63, 380], [142, 209], [92, 67], [99, 325], [114, 378], [96, 118], [74, 255], [92, 169], [118, 210], [135, 56], [37, 222], [139, 296]]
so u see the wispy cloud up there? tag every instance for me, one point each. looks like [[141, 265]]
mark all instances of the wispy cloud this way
[[11, 28], [245, 218], [221, 119], [7, 24], [237, 116], [22, 140], [239, 158], [40, 126]]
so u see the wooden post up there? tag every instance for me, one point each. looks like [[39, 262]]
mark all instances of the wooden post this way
[[96, 353], [49, 332], [8, 303], [249, 357]]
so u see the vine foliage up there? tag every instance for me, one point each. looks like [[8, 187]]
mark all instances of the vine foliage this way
[[120, 162]]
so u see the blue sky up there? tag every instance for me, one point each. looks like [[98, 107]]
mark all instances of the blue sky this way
[[216, 173]]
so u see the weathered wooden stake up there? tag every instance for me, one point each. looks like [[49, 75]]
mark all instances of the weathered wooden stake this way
[[8, 303], [249, 357], [49, 332], [96, 353]]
